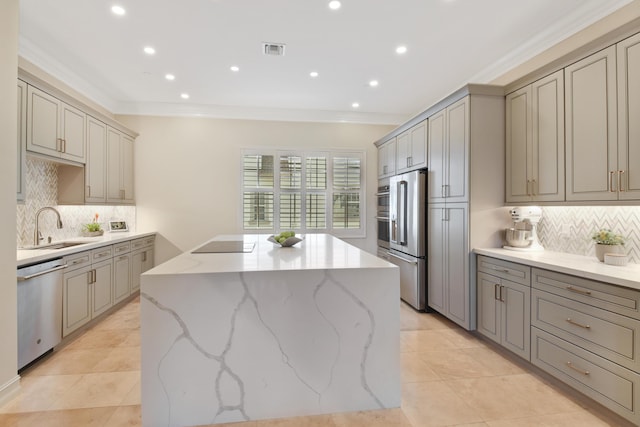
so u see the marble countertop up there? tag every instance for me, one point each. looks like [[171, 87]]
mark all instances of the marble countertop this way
[[30, 256], [575, 265], [314, 252]]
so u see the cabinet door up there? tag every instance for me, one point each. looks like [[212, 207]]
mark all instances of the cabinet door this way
[[121, 277], [547, 150], [515, 318], [457, 265], [591, 122], [403, 151], [148, 260], [43, 119], [457, 152], [488, 306], [435, 257], [22, 139], [137, 262], [76, 301], [114, 177], [519, 134], [96, 167], [418, 153], [628, 123], [73, 127], [436, 140], [127, 169], [102, 298]]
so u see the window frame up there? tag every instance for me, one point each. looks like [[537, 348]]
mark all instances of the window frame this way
[[330, 154]]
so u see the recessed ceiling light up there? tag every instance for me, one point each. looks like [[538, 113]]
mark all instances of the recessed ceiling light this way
[[184, 95], [401, 50], [313, 74], [170, 77], [149, 50], [355, 105], [235, 68], [118, 10], [373, 83], [334, 5]]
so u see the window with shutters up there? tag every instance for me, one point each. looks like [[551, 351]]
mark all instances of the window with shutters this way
[[308, 192]]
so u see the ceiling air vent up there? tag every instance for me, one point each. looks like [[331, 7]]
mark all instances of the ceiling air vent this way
[[275, 49]]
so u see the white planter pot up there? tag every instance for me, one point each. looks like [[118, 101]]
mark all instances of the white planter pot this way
[[608, 249]]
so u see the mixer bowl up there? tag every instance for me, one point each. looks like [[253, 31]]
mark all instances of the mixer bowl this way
[[518, 238]]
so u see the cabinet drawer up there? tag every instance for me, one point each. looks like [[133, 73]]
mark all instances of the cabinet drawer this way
[[142, 242], [613, 386], [606, 334], [122, 248], [507, 270], [609, 297], [77, 260], [102, 253]]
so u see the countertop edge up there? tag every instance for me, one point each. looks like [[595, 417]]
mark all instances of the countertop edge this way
[[575, 265], [31, 256]]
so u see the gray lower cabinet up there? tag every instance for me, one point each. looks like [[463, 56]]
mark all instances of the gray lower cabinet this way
[[504, 296], [121, 271], [96, 280], [583, 332], [142, 259]]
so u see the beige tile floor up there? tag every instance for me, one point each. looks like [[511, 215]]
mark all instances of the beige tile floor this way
[[449, 378]]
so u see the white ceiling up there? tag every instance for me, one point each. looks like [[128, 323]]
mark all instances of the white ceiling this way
[[450, 43]]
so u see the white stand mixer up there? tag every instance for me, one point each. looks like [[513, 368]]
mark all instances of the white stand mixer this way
[[524, 239]]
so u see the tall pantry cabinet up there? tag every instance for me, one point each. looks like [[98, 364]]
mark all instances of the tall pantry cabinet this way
[[466, 196]]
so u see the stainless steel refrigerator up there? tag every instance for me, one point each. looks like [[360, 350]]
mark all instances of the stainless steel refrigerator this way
[[408, 234]]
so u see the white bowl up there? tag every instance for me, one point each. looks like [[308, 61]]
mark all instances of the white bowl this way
[[615, 259], [289, 242]]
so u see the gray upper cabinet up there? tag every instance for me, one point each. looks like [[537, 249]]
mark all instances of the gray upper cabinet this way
[[449, 148], [22, 139], [54, 128], [411, 148], [96, 167], [628, 55], [119, 167], [591, 128], [387, 159], [535, 141]]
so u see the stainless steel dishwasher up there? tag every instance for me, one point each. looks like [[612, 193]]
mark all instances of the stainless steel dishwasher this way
[[39, 309]]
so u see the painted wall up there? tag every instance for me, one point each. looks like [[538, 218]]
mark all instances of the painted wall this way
[[188, 171], [8, 137]]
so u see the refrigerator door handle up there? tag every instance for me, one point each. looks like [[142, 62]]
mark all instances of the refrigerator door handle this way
[[403, 259], [402, 211]]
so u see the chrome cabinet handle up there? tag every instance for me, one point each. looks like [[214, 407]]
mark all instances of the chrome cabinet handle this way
[[496, 288], [621, 181], [582, 371], [578, 291], [573, 322], [528, 184]]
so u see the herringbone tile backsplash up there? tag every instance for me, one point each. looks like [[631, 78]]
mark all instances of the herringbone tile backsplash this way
[[42, 190], [569, 228]]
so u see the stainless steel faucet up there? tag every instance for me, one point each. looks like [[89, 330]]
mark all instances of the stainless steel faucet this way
[[37, 236]]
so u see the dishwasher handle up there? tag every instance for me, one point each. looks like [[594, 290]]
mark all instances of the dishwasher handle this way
[[40, 273]]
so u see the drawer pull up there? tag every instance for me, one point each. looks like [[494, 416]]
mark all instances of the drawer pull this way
[[573, 322], [578, 291], [582, 371]]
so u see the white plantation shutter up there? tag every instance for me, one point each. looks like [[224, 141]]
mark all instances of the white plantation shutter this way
[[304, 191]]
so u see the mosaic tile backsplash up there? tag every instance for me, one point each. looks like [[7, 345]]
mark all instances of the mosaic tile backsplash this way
[[569, 228], [42, 190]]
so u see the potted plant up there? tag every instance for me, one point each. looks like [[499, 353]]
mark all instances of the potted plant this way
[[93, 228], [607, 242]]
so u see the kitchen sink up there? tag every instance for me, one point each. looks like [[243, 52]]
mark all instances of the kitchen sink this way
[[60, 245]]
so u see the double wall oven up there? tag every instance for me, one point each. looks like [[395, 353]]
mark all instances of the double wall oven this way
[[382, 213]]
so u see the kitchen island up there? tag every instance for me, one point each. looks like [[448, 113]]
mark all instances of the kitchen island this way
[[267, 333]]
